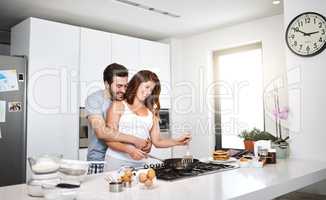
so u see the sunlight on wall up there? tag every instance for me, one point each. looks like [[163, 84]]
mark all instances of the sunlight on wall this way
[[240, 94]]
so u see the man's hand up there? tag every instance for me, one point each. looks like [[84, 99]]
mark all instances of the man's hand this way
[[136, 154], [148, 147], [140, 143]]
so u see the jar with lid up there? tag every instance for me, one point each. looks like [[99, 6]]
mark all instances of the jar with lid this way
[[271, 156]]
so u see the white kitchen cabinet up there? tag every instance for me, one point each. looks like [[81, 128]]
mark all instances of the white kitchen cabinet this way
[[125, 51], [53, 76], [155, 56], [82, 154], [95, 56]]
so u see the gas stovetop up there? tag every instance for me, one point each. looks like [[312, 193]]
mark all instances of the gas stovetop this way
[[200, 168]]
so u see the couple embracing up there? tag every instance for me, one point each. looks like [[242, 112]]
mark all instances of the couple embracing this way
[[124, 119]]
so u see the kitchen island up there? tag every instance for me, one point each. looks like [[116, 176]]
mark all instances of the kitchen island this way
[[243, 183]]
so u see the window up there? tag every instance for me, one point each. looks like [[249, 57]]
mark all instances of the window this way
[[238, 75]]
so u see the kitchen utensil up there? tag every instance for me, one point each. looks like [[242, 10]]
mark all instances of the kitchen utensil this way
[[127, 184], [188, 158], [115, 186], [154, 157]]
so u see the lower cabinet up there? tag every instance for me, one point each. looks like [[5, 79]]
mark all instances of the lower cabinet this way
[[82, 154]]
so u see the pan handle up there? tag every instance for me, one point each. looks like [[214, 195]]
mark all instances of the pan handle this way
[[154, 157]]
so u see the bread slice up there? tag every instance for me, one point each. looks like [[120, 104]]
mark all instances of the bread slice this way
[[220, 155]]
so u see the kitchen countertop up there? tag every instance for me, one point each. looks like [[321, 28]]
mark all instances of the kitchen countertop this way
[[243, 183]]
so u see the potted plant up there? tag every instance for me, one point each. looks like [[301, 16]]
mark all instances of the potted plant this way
[[280, 114], [249, 137], [248, 140]]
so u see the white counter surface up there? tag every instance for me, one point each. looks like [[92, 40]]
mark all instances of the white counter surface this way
[[243, 183]]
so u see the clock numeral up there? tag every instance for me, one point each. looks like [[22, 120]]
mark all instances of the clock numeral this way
[[315, 45], [308, 48], [292, 36], [300, 23], [323, 31], [320, 24], [301, 46], [320, 39], [307, 20], [314, 20], [296, 29], [295, 43]]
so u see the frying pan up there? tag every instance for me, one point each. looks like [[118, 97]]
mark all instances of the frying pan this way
[[177, 163]]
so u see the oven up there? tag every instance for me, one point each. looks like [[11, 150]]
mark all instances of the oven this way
[[164, 120], [83, 129]]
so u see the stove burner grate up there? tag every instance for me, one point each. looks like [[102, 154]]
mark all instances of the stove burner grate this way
[[200, 168]]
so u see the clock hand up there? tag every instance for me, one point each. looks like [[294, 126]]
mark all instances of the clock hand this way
[[312, 33], [304, 34]]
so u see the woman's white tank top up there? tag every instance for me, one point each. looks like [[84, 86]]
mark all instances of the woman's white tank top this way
[[132, 124]]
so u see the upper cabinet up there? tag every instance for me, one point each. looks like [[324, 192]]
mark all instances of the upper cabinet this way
[[53, 76], [137, 54], [95, 56], [156, 57], [125, 51]]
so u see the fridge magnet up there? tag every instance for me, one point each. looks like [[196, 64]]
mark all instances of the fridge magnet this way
[[8, 80], [2, 111], [15, 106], [20, 77]]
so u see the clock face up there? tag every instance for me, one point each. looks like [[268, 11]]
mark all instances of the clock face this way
[[305, 35]]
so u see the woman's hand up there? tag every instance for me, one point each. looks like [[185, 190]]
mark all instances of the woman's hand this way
[[184, 139], [135, 153], [148, 146]]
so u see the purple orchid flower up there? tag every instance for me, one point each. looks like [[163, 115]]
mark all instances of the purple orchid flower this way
[[284, 113]]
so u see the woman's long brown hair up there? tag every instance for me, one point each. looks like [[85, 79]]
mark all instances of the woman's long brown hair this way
[[152, 102]]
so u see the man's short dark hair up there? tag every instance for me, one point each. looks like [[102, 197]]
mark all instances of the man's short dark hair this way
[[112, 70]]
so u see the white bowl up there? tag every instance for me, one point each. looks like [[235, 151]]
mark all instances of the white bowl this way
[[44, 164], [73, 167], [142, 185], [73, 171]]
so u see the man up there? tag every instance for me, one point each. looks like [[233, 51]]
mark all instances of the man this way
[[115, 78]]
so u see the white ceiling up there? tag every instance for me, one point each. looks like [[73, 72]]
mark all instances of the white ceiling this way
[[110, 15]]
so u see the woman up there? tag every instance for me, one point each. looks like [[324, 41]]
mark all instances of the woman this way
[[138, 114]]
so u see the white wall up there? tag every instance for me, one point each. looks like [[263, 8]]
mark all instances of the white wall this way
[[191, 65], [4, 49], [308, 95]]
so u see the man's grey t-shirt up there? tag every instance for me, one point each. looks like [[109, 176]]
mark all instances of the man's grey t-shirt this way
[[96, 104]]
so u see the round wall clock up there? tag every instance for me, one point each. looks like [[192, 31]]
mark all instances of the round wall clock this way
[[305, 35]]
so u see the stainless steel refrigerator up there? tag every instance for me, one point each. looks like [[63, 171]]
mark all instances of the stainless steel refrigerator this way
[[13, 86]]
